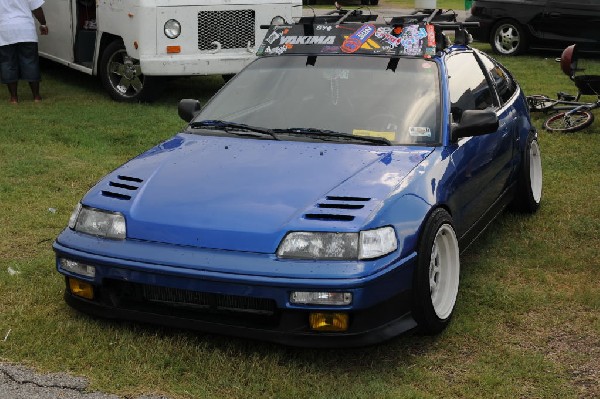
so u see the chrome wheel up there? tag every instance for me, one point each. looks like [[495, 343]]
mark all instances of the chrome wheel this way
[[125, 74], [508, 38]]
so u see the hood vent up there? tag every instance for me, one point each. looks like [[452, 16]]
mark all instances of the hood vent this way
[[122, 187], [332, 203]]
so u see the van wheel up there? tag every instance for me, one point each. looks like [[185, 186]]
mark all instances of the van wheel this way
[[122, 76]]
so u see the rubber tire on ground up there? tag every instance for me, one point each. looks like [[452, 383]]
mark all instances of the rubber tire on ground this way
[[557, 122], [150, 85], [427, 315], [529, 184], [509, 27], [374, 2], [364, 2]]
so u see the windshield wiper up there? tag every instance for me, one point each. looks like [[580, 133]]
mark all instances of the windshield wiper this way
[[330, 135], [232, 127]]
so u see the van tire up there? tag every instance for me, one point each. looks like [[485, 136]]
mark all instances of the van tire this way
[[122, 77]]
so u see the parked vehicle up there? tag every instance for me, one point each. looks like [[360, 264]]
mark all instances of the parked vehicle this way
[[133, 44], [513, 26], [323, 195]]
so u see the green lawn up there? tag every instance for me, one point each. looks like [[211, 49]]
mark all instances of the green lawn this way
[[527, 321]]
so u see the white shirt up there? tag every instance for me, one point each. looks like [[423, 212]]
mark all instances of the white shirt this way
[[17, 23]]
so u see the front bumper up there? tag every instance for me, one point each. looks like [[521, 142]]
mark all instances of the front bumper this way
[[196, 64], [217, 299]]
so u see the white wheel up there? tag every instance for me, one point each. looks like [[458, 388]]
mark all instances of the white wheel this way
[[535, 171], [444, 269], [437, 275], [529, 185]]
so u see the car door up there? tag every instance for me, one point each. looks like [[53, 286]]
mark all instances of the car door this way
[[58, 44], [572, 21], [482, 164]]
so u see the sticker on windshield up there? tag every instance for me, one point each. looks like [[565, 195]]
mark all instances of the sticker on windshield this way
[[418, 131], [371, 133]]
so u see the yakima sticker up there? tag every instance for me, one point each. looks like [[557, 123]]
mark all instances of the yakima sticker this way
[[307, 40], [358, 38]]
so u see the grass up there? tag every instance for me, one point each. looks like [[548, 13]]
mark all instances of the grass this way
[[527, 322]]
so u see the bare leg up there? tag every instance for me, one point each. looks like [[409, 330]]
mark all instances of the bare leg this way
[[35, 90], [12, 89]]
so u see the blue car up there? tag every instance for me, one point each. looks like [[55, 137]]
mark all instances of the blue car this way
[[321, 198]]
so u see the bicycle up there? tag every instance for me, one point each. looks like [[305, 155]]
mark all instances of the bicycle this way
[[575, 115]]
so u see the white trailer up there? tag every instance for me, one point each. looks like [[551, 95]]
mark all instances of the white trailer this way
[[133, 44]]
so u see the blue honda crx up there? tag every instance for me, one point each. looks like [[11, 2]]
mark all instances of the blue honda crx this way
[[322, 197]]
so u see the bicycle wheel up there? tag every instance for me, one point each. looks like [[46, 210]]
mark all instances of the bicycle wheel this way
[[539, 102], [563, 122]]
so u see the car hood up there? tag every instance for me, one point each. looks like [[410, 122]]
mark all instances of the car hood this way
[[245, 194]]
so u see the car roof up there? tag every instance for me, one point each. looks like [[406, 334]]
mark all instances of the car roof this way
[[351, 32]]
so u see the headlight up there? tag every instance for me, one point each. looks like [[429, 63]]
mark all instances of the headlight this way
[[172, 28], [98, 222], [377, 242], [367, 244], [278, 21]]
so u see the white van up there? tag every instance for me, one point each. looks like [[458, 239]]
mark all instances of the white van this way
[[133, 44]]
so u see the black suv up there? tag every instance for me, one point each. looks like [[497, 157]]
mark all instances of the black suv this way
[[513, 26]]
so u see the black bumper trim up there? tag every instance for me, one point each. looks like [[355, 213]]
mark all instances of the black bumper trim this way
[[292, 338]]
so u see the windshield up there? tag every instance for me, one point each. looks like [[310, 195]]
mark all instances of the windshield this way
[[397, 100]]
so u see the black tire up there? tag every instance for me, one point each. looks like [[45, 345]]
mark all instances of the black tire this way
[[374, 2], [562, 122], [508, 37], [529, 184], [364, 2], [122, 77], [436, 279], [540, 103]]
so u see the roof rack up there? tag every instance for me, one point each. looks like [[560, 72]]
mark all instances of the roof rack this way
[[352, 31]]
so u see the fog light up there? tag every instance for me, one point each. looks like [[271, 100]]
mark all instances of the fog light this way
[[77, 267], [81, 288], [328, 321], [321, 298]]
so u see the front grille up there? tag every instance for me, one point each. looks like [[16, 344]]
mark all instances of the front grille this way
[[232, 29], [188, 304], [207, 301]]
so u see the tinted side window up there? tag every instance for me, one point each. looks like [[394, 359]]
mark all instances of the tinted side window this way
[[468, 86], [505, 85]]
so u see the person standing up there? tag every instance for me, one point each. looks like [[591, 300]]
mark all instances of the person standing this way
[[19, 45]]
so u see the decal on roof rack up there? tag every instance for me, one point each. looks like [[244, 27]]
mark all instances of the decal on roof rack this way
[[417, 39]]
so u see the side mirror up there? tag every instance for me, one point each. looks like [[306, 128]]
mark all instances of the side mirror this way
[[188, 108], [474, 122]]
